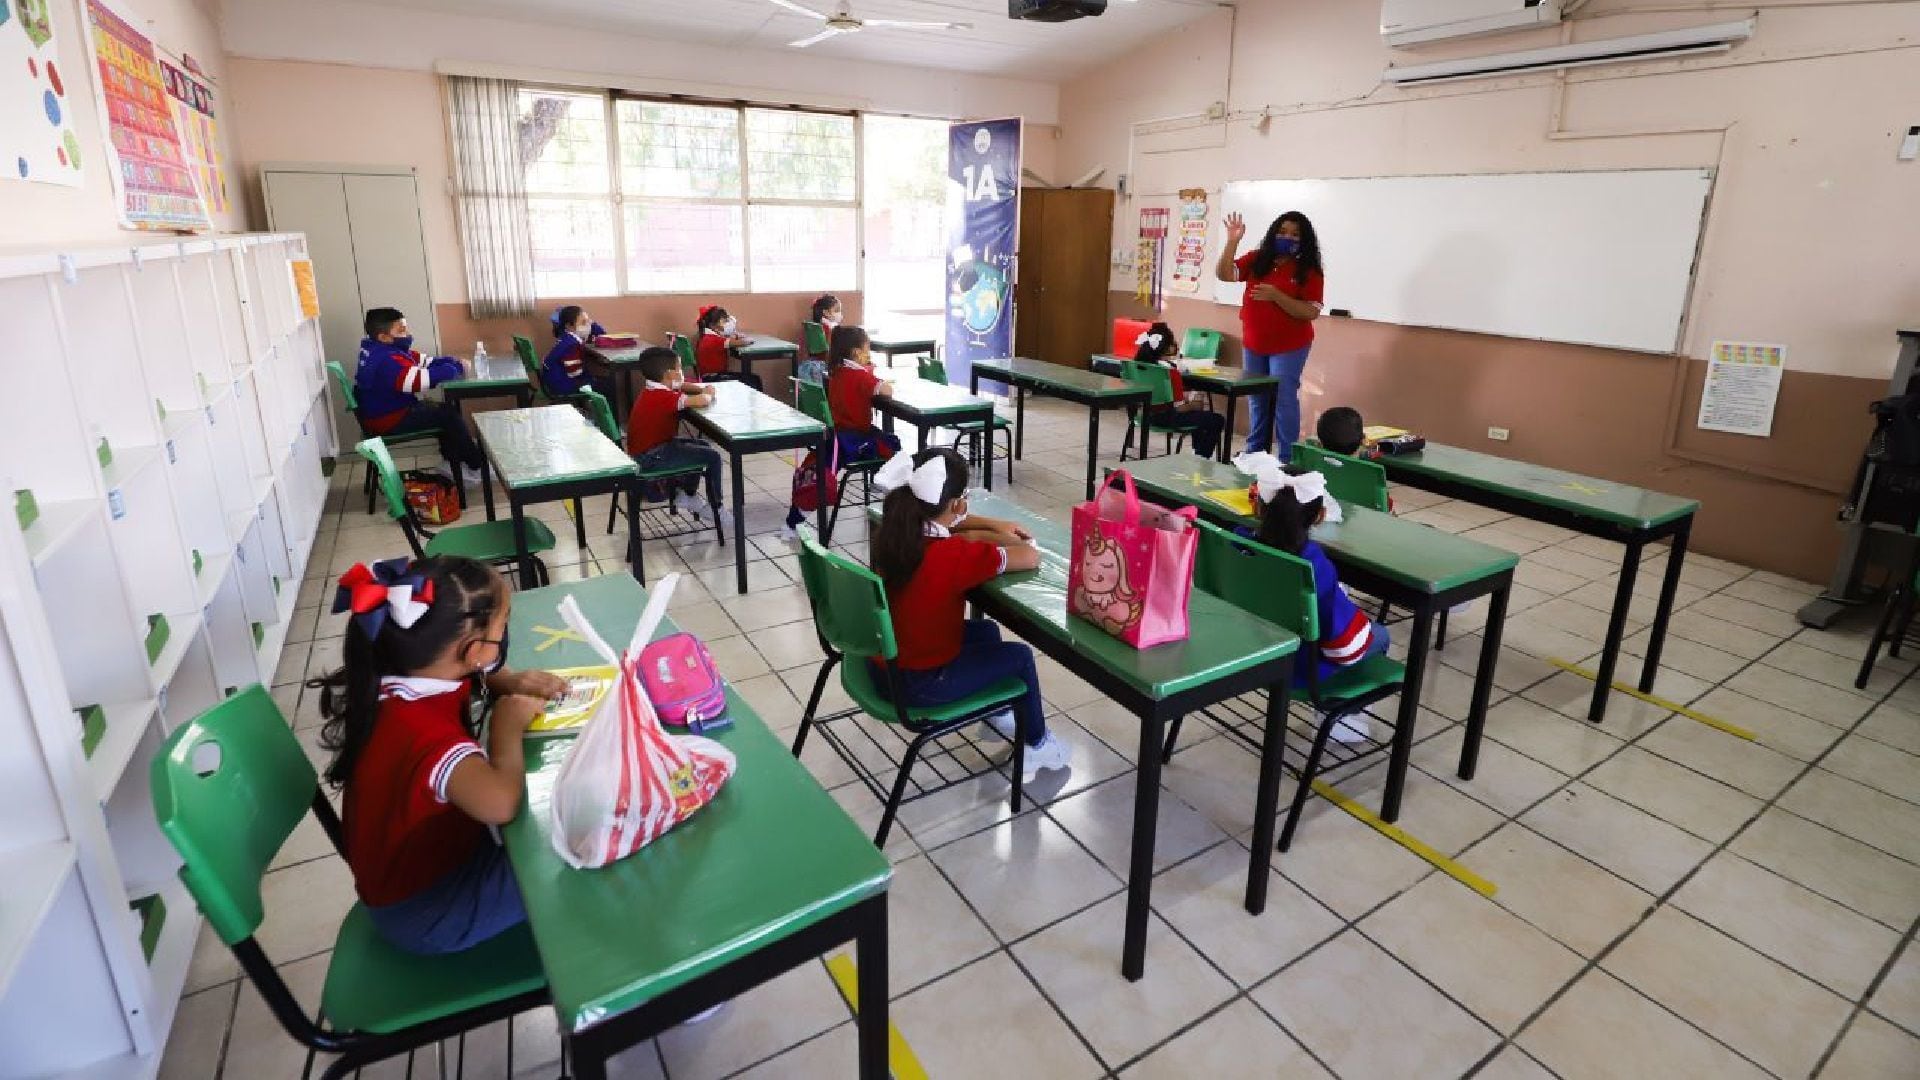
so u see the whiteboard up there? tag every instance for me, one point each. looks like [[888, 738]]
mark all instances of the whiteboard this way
[[1595, 258]]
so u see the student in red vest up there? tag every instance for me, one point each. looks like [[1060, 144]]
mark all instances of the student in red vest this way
[[653, 425], [716, 333]]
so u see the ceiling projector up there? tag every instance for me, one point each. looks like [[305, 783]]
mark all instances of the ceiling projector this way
[[1053, 10]]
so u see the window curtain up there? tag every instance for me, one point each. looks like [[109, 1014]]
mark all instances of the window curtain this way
[[491, 195]]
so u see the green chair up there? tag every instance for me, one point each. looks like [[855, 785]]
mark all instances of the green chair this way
[[974, 431], [602, 413], [1349, 479], [1200, 344], [1158, 379], [1273, 585], [352, 400], [487, 541], [813, 402], [683, 345], [851, 617], [813, 340], [229, 787], [529, 359]]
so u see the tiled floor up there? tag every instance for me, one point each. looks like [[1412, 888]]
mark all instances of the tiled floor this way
[[1671, 900]]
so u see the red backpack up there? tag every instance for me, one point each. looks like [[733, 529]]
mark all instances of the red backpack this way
[[806, 478]]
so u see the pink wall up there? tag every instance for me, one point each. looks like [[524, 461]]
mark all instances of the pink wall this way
[[48, 213]]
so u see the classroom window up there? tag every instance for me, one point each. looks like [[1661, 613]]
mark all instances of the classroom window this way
[[630, 195], [904, 200], [563, 148]]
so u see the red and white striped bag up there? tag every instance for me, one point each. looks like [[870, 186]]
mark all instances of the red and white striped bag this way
[[627, 780]]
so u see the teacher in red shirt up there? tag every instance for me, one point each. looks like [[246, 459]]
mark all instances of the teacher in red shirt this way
[[1282, 298]]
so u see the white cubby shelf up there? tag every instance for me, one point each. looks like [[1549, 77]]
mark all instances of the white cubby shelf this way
[[175, 466]]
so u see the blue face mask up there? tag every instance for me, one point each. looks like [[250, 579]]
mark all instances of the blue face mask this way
[[1284, 246], [404, 344]]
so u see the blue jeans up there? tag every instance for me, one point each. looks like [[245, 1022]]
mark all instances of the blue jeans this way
[[473, 903], [1281, 423], [1378, 646], [677, 452], [456, 442], [984, 660]]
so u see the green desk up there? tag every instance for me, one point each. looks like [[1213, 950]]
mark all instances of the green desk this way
[[1095, 391], [768, 876], [1410, 565], [928, 405], [551, 454], [622, 366], [499, 377], [1228, 654], [764, 347], [1632, 516], [1229, 382], [891, 347], [744, 421]]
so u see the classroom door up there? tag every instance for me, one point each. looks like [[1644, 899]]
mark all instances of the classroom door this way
[[1061, 297]]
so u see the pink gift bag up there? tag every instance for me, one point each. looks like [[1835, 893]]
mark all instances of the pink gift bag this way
[[1131, 569]]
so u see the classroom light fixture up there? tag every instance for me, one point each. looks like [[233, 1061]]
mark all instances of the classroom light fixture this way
[[1692, 41]]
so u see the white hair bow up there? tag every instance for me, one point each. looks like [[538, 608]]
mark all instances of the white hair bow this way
[[928, 482], [1270, 477], [1148, 339]]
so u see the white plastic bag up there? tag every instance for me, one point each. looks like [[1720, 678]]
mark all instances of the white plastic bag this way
[[627, 780]]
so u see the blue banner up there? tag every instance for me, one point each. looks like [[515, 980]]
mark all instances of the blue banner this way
[[983, 223]]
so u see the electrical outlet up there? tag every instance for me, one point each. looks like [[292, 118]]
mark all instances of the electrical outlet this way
[[1499, 434]]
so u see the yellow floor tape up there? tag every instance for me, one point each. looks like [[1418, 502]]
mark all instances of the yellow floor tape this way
[[1734, 730], [1412, 843], [900, 1059]]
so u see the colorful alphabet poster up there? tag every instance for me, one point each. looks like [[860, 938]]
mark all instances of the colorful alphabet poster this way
[[37, 140], [153, 181], [1189, 258], [193, 115]]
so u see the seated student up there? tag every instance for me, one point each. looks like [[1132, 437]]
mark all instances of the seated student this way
[[389, 380], [558, 321], [827, 312], [851, 388], [930, 553], [715, 333], [656, 417], [1291, 501], [1342, 431], [564, 372], [1188, 411]]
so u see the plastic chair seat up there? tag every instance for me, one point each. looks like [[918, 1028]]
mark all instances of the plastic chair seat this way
[[376, 987], [856, 678], [490, 541], [1369, 676], [998, 423]]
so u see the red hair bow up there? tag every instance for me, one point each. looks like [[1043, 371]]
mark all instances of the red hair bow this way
[[385, 589]]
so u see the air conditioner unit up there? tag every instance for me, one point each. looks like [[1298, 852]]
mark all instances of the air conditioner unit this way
[[1410, 22], [1665, 45]]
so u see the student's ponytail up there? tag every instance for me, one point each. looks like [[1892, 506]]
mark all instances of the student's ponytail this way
[[900, 542]]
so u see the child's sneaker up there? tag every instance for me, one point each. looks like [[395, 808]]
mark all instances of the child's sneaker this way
[[1461, 608], [789, 534], [1047, 755], [999, 726], [1351, 729]]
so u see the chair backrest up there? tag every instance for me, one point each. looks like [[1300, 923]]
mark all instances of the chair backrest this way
[[814, 337], [1154, 377], [1264, 582], [1200, 343], [1126, 335], [602, 412], [386, 475], [1350, 480], [346, 385], [933, 370], [229, 788], [813, 402], [523, 348], [849, 601], [683, 345]]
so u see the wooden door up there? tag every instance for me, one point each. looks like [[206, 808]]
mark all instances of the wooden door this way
[[1061, 296]]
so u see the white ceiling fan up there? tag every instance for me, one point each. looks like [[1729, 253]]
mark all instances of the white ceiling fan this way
[[842, 21]]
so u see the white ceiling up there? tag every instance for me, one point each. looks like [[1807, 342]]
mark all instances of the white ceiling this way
[[996, 45]]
